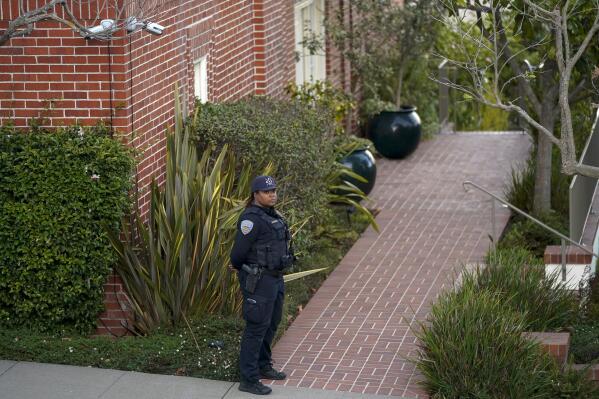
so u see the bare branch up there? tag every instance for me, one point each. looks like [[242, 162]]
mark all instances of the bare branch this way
[[565, 29], [511, 107], [23, 25], [578, 93], [540, 11], [478, 8], [516, 68], [586, 170]]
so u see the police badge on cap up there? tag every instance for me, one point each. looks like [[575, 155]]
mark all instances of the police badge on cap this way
[[263, 183]]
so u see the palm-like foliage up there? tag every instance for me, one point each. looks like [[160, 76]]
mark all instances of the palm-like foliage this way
[[176, 265], [343, 192]]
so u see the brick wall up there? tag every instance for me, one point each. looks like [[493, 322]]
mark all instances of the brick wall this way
[[58, 76], [129, 82], [245, 53], [117, 318]]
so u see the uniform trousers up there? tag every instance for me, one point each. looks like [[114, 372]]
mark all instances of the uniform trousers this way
[[262, 311]]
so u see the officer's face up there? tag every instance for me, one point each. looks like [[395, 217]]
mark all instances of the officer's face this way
[[266, 198]]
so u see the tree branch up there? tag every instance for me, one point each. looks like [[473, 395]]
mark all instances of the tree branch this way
[[586, 170], [577, 94], [516, 68], [506, 107], [23, 25], [27, 19]]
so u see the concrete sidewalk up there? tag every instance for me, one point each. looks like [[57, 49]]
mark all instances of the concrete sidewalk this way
[[24, 380]]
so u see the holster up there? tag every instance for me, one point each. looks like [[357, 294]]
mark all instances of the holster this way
[[251, 281]]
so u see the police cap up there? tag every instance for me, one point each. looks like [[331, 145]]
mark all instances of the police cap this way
[[263, 183]]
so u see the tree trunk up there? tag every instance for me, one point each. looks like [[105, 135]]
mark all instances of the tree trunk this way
[[542, 192]]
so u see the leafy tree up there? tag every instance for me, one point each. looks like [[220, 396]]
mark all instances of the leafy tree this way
[[534, 58], [387, 40]]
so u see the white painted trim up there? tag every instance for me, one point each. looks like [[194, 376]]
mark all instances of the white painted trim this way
[[200, 79]]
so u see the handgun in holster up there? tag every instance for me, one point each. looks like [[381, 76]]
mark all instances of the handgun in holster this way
[[254, 274]]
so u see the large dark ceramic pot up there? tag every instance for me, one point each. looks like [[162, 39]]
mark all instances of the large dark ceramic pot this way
[[396, 134], [362, 163]]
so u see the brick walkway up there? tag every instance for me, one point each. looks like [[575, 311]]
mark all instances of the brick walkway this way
[[354, 334]]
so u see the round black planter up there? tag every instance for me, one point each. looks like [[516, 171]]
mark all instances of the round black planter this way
[[395, 134], [362, 163]]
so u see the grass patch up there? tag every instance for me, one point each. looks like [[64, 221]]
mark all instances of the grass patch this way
[[176, 350]]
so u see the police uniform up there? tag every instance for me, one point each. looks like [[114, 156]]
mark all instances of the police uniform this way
[[262, 242]]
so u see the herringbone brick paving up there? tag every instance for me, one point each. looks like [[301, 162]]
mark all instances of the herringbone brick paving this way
[[356, 333]]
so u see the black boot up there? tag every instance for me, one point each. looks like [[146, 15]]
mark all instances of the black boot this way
[[269, 373], [257, 388]]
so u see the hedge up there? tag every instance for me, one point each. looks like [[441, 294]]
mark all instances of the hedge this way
[[299, 140], [57, 190]]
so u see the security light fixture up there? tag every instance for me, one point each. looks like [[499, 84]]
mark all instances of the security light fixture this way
[[154, 28], [106, 27]]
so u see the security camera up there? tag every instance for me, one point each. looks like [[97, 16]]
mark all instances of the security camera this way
[[106, 27], [154, 28], [132, 24]]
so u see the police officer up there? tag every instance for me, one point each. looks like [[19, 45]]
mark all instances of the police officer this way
[[261, 252]]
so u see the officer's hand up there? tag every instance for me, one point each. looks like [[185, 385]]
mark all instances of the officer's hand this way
[[231, 268]]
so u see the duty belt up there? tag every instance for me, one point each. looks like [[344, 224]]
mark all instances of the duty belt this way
[[263, 270], [274, 273]]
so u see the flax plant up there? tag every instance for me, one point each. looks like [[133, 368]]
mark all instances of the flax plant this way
[[176, 265], [343, 192]]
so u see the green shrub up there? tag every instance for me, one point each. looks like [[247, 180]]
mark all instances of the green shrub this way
[[526, 234], [584, 345], [519, 279], [323, 95], [298, 139], [472, 347], [590, 295], [56, 190], [575, 384]]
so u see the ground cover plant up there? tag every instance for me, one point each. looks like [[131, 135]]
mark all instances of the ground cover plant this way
[[207, 348], [471, 345], [59, 189]]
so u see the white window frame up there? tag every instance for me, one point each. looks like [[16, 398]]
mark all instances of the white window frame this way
[[200, 79], [309, 68]]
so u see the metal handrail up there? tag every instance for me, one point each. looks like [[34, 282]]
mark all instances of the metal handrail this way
[[535, 220]]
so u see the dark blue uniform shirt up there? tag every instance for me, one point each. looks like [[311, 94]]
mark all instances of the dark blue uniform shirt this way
[[251, 230]]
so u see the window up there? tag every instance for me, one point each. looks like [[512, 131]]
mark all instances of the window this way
[[309, 41], [200, 79]]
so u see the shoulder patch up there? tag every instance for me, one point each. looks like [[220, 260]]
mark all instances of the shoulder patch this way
[[246, 226]]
